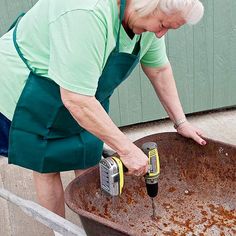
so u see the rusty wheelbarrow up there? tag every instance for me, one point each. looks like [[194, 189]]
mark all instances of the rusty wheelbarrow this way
[[197, 194]]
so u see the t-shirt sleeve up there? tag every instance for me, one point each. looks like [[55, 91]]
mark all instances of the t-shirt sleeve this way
[[77, 46], [156, 54]]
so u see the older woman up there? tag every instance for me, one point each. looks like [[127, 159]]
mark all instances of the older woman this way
[[60, 64]]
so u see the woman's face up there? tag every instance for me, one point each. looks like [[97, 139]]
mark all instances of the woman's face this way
[[158, 23]]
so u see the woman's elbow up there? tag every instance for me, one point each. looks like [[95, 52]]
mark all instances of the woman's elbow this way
[[74, 101]]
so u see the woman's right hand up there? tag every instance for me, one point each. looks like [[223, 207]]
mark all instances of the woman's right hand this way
[[135, 161]]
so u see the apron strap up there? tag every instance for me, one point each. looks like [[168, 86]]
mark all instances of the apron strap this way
[[122, 12], [137, 47], [136, 50]]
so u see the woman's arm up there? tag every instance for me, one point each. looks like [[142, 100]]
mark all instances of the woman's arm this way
[[89, 113], [164, 84]]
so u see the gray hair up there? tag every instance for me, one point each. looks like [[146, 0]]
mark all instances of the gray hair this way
[[191, 10]]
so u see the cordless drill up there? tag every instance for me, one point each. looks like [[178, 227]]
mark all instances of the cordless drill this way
[[112, 172]]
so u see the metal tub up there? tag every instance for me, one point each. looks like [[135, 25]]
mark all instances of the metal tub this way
[[197, 194]]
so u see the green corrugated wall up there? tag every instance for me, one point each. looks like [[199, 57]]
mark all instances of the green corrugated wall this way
[[203, 58]]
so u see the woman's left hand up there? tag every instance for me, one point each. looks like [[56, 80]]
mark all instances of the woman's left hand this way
[[189, 131]]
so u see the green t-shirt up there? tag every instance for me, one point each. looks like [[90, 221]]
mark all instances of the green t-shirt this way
[[68, 42]]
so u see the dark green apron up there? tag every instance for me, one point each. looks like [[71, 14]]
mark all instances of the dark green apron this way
[[44, 136]]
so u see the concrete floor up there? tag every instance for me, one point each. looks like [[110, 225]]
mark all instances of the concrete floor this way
[[219, 125]]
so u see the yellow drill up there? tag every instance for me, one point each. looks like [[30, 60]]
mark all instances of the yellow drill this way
[[112, 173]]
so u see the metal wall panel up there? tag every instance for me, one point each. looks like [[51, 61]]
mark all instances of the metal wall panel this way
[[203, 58], [10, 9], [224, 53]]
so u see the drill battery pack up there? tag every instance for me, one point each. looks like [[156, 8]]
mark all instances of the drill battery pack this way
[[111, 175]]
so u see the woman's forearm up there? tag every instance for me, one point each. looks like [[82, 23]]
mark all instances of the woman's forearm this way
[[164, 84], [89, 113]]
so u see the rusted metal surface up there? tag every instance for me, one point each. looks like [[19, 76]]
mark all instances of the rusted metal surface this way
[[197, 194]]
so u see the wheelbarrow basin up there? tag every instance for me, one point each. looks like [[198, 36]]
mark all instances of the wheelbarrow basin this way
[[197, 193]]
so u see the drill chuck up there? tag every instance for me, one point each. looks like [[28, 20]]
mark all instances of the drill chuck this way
[[152, 189], [151, 185]]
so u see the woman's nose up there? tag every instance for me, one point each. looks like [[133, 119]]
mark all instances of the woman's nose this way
[[161, 33]]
